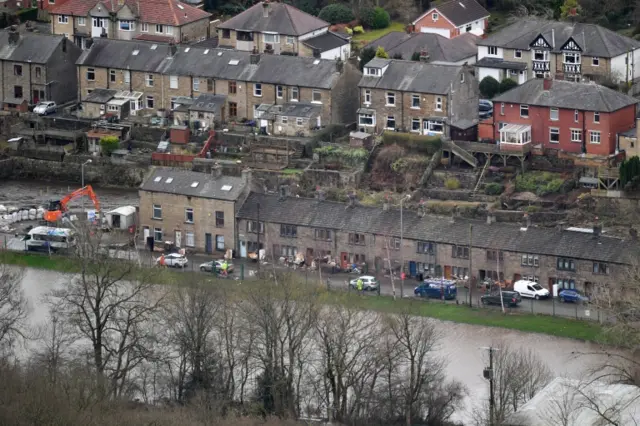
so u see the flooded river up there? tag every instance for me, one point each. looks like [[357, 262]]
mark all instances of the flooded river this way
[[464, 346]]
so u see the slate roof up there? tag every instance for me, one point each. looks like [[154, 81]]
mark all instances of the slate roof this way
[[500, 63], [283, 19], [439, 48], [459, 12], [210, 63], [100, 96], [165, 12], [439, 229], [208, 185], [593, 39], [208, 102], [412, 76], [326, 41], [34, 47], [299, 109], [567, 94]]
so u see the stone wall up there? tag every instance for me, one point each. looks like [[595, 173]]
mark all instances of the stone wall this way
[[467, 180], [104, 174]]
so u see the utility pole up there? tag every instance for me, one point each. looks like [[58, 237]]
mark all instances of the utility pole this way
[[401, 247], [470, 279], [258, 244], [488, 374]]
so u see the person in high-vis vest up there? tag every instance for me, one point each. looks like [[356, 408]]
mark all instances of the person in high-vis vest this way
[[224, 268], [359, 284]]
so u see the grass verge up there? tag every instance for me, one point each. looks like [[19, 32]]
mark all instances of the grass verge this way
[[375, 34], [530, 323]]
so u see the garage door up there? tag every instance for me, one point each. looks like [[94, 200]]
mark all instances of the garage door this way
[[441, 31]]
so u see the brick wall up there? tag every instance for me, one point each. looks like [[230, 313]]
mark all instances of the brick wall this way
[[173, 218]]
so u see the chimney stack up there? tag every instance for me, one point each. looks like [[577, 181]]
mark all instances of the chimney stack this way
[[385, 206], [424, 55], [409, 29], [339, 66], [547, 83], [173, 49], [490, 218], [14, 35], [254, 58], [88, 43], [266, 9], [597, 230], [246, 178], [216, 170], [528, 220], [319, 194], [316, 53], [64, 45], [352, 199]]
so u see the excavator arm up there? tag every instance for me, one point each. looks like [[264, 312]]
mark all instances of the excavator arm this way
[[58, 208]]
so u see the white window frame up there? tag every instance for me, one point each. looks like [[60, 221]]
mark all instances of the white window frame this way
[[551, 114], [127, 76], [434, 16], [97, 22], [432, 124], [81, 21], [276, 38], [279, 92], [190, 239], [284, 119], [389, 95], [595, 61], [148, 80], [596, 117], [296, 91], [576, 135], [168, 29], [373, 120], [367, 97], [257, 90], [131, 24], [595, 137], [576, 116], [575, 55], [438, 103], [154, 208], [415, 97], [112, 108], [112, 76], [414, 121], [502, 108], [153, 101], [92, 71], [196, 84], [492, 50], [315, 92], [386, 123], [299, 121], [63, 19], [290, 40], [554, 131], [545, 55], [157, 231], [159, 27], [524, 107], [173, 82], [144, 27], [188, 210]]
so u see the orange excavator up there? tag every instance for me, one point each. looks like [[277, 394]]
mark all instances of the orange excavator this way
[[57, 208]]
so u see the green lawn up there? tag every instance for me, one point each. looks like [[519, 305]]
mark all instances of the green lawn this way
[[375, 34], [555, 326]]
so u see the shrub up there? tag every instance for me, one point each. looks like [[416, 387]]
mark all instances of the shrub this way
[[381, 19], [231, 9], [539, 183], [349, 31], [533, 209], [336, 13], [507, 84], [381, 53], [489, 87], [30, 14], [493, 188], [366, 54], [415, 56], [366, 17], [418, 143], [108, 144], [452, 183], [358, 30]]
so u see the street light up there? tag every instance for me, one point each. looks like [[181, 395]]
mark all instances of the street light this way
[[402, 200], [82, 172]]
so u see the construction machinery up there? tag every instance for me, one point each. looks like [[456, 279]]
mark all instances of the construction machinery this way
[[58, 208]]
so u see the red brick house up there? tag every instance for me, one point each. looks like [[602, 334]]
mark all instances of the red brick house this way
[[563, 115], [452, 18]]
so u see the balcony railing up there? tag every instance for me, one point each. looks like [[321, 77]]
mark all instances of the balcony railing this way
[[541, 66], [571, 68]]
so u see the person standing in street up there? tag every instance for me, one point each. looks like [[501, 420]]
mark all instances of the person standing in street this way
[[359, 284]]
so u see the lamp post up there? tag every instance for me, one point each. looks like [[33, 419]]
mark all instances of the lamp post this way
[[402, 200], [82, 173]]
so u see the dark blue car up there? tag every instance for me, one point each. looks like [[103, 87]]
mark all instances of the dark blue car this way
[[437, 289], [572, 296]]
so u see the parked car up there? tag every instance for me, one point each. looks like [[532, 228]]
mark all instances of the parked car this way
[[44, 108], [572, 296], [174, 260], [437, 289], [485, 108], [369, 283], [207, 266], [531, 289], [510, 298]]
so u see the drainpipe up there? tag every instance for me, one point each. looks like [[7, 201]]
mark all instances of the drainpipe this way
[[30, 82], [584, 132], [162, 88]]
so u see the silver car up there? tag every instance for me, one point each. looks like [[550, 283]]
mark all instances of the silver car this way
[[369, 283], [44, 108]]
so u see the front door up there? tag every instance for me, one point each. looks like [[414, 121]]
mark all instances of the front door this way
[[243, 249], [208, 243], [412, 269], [344, 259], [447, 272], [146, 233], [178, 239]]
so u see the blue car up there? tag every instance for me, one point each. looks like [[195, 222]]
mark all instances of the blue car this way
[[437, 289], [572, 296]]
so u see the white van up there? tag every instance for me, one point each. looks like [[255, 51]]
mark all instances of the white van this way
[[530, 289]]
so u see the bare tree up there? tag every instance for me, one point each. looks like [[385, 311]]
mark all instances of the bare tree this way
[[14, 307], [54, 339], [111, 304]]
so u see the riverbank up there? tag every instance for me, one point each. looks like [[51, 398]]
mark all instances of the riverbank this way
[[590, 331]]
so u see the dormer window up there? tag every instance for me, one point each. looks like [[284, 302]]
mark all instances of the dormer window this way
[[373, 71]]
